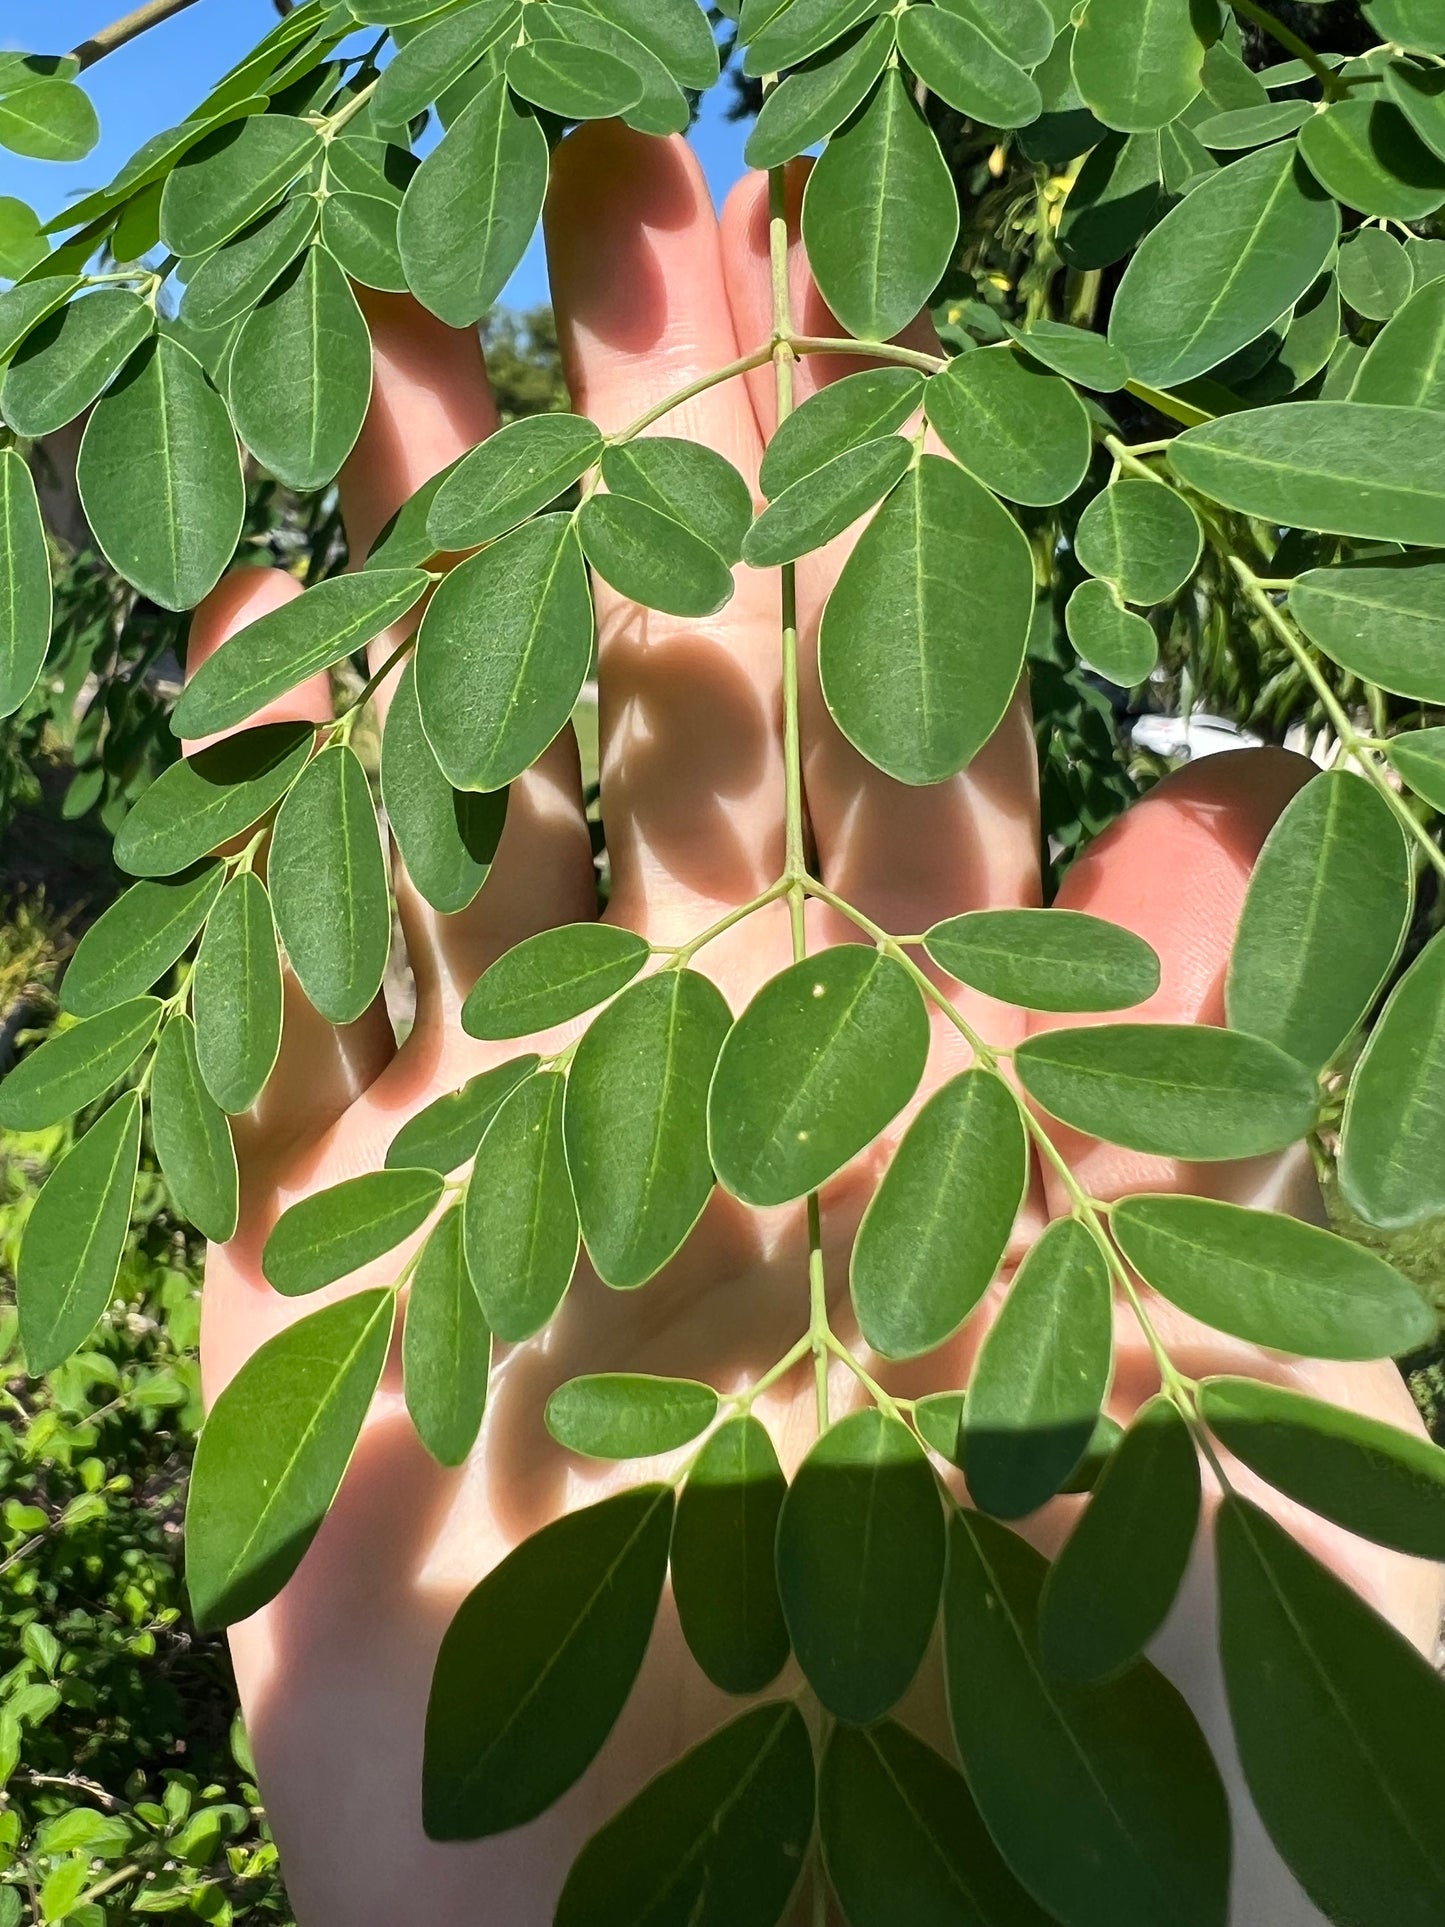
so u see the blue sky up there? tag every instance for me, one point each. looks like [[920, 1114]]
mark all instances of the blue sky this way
[[157, 79]]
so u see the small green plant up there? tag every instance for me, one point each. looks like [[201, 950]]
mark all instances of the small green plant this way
[[1277, 327]]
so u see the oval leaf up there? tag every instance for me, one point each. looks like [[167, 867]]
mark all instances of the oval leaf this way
[[521, 1222], [76, 1066], [1046, 959], [447, 837], [335, 1232], [193, 1137], [1392, 1150], [202, 801], [446, 1347], [548, 978], [137, 940], [724, 1578], [520, 469], [629, 1415], [1142, 537], [25, 594], [236, 995], [1024, 433], [446, 1134]]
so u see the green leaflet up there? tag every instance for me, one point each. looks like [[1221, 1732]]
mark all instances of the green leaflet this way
[[334, 620], [963, 1162], [201, 801], [76, 1066], [328, 885], [1375, 274], [404, 543], [193, 1137], [25, 593], [538, 1663], [1110, 638], [137, 940], [1383, 618], [1325, 916], [1368, 156], [67, 361], [1117, 196], [25, 306], [1405, 363], [1110, 1589], [629, 1415], [1041, 1377], [636, 1122], [1079, 356], [1222, 266], [230, 177], [446, 1347], [825, 503], [447, 837], [576, 83], [903, 1839], [724, 1578], [1176, 1090], [520, 469], [1126, 1822], [1311, 337], [959, 63], [51, 120], [1253, 126], [658, 104], [361, 164], [939, 1420], [843, 415], [1375, 1479], [816, 98], [1137, 64], [236, 995], [273, 1452], [74, 1238], [471, 208], [300, 375], [521, 1223], [1392, 1150], [1416, 90], [649, 558], [490, 714], [1024, 28], [822, 1058], [548, 978], [718, 1836], [1142, 537], [798, 30], [1046, 959], [229, 283], [1345, 468], [360, 231], [880, 215], [687, 482], [441, 53], [1409, 23], [1271, 1279], [22, 245], [446, 1134], [1419, 757], [676, 32], [1337, 1719], [923, 637], [334, 1232], [860, 1564], [160, 477]]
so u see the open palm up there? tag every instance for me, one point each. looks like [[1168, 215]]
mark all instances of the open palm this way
[[653, 292]]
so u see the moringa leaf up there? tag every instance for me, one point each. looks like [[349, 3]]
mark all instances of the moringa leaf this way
[[235, 173], [1137, 65], [825, 503], [538, 1663], [1142, 537], [328, 885], [273, 1452], [573, 82], [636, 1122], [445, 49], [25, 591], [923, 637], [1117, 196], [823, 1057], [963, 1162], [1375, 275], [193, 1137], [843, 415], [137, 939], [1046, 959], [445, 1135], [332, 1233], [227, 284], [75, 1236], [521, 1222], [1392, 1147], [203, 800], [236, 995], [860, 1564], [686, 481], [520, 469], [1384, 619], [1111, 639], [1270, 1279], [66, 363], [76, 1066], [446, 1347], [1024, 433], [724, 1578], [629, 1415], [1368, 156], [1418, 756], [51, 120], [652, 559], [816, 98], [1111, 1588], [1324, 918], [957, 61], [1083, 358], [552, 976]]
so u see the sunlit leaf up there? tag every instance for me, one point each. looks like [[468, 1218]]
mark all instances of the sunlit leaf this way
[[817, 97], [1368, 156], [842, 415], [521, 1222], [229, 283], [1392, 1150], [1383, 618], [1111, 639], [447, 1132], [959, 63], [76, 1066], [1142, 537], [446, 1347], [629, 1415], [236, 995], [334, 1232], [230, 177], [62, 367], [520, 469], [1046, 959], [552, 976], [25, 595]]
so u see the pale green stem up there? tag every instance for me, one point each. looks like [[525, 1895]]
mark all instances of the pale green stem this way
[[684, 953], [874, 350], [122, 31], [1291, 42]]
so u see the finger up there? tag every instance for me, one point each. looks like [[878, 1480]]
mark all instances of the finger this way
[[906, 855], [692, 777], [321, 1068], [431, 403]]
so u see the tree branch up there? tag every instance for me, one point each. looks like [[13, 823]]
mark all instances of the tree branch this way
[[130, 28]]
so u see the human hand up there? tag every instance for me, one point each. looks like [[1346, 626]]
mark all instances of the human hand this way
[[335, 1672]]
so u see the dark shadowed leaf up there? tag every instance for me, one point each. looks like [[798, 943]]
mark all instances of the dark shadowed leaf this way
[[203, 800], [447, 837], [860, 1564], [1366, 153], [273, 1452], [724, 1576], [538, 1663], [1117, 196]]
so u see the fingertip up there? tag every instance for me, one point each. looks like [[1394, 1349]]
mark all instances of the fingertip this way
[[238, 600]]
